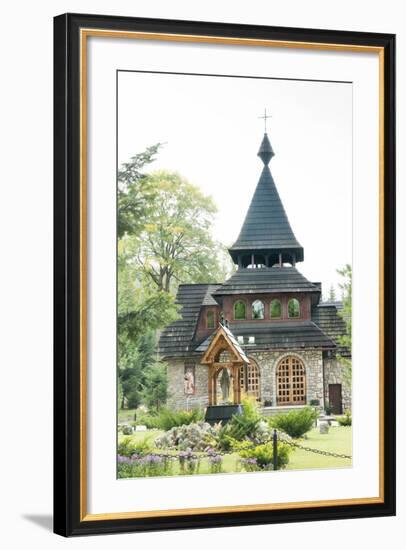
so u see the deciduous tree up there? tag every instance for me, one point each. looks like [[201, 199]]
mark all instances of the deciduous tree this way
[[176, 245]]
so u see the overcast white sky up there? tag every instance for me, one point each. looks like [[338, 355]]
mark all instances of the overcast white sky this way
[[212, 133]]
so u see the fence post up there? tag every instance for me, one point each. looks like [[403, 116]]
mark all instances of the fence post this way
[[275, 450]]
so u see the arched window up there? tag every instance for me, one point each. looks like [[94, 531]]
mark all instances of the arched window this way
[[293, 308], [291, 382], [250, 380], [276, 309], [239, 310], [258, 309], [210, 319]]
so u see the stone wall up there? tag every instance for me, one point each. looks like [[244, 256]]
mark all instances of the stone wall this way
[[267, 362], [177, 398], [334, 374]]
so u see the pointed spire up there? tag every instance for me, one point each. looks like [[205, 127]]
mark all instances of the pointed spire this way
[[266, 236], [265, 152]]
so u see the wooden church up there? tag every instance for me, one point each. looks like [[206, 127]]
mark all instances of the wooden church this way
[[264, 331]]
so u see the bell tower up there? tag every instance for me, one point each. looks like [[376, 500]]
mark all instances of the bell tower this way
[[266, 238]]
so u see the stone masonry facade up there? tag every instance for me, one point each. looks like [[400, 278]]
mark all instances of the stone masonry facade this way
[[177, 399], [334, 374], [267, 362]]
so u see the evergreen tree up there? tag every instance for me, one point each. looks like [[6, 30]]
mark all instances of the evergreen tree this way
[[332, 294], [346, 315], [164, 230], [135, 194], [155, 386]]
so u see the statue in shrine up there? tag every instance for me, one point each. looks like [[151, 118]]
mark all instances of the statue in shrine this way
[[225, 384], [189, 382]]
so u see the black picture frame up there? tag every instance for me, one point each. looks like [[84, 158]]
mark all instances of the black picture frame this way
[[67, 288]]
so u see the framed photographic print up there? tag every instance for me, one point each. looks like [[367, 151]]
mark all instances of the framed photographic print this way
[[224, 274]]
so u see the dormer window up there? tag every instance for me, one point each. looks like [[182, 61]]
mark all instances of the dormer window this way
[[210, 319], [293, 308], [258, 310], [275, 309], [240, 312]]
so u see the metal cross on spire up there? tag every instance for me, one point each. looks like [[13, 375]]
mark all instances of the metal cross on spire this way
[[265, 117]]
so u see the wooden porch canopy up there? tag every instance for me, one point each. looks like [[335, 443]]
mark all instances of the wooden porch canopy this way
[[224, 352]]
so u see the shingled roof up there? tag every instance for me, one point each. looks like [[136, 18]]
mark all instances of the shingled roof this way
[[292, 335], [266, 228], [326, 316], [265, 280], [176, 339]]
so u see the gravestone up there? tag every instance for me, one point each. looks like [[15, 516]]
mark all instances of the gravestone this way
[[324, 427]]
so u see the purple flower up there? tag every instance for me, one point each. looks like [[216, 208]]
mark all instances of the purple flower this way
[[249, 460], [123, 459], [215, 459], [185, 454], [151, 460]]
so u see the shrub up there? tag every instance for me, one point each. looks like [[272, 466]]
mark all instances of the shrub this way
[[248, 425], [127, 447], [151, 421], [345, 420], [328, 408], [261, 457], [126, 429], [295, 423], [194, 437], [166, 419]]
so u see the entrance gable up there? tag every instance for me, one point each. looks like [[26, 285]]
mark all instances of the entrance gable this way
[[224, 341]]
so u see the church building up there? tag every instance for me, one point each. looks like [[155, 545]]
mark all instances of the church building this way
[[263, 332]]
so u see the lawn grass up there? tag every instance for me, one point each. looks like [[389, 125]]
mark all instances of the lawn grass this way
[[339, 440], [126, 415]]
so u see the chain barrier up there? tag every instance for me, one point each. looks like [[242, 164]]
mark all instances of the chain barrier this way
[[281, 437], [312, 450]]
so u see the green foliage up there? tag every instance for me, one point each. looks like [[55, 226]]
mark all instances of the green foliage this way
[[136, 194], [155, 390], [293, 308], [141, 309], [126, 429], [176, 244], [263, 456], [248, 425], [167, 419], [276, 309], [239, 310], [295, 423], [332, 294], [128, 447], [345, 420], [134, 358], [164, 230], [328, 408], [346, 314]]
